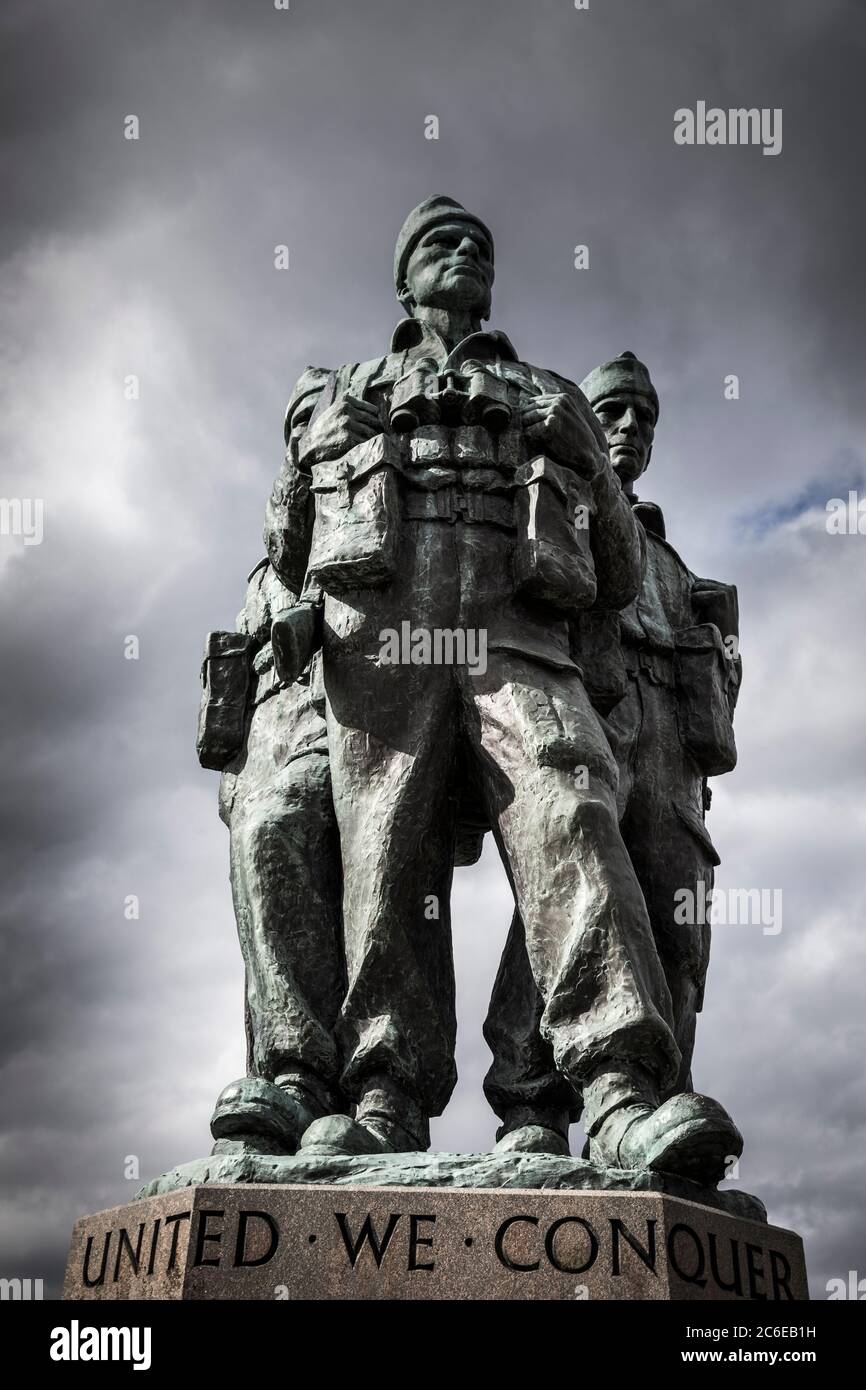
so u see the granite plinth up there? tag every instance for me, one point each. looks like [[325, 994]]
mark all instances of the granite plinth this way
[[278, 1241]]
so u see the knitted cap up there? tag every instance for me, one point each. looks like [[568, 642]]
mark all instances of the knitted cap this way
[[431, 213], [623, 373]]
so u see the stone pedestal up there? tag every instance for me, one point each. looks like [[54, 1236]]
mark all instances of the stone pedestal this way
[[257, 1241]]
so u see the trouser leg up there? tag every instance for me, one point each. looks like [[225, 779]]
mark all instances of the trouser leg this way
[[588, 936], [523, 1071], [286, 888], [286, 883], [396, 816], [669, 858], [523, 1084]]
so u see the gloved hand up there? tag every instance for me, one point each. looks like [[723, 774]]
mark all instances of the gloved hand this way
[[295, 637], [556, 423]]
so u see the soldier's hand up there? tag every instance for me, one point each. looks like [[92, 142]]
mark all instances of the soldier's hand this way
[[555, 423], [295, 637], [338, 429]]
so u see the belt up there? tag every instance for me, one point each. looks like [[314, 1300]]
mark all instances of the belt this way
[[453, 504]]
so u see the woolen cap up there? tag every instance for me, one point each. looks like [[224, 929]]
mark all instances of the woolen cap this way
[[431, 213], [623, 373]]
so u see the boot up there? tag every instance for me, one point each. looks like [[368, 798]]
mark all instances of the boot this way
[[386, 1121], [533, 1130], [689, 1135], [256, 1116]]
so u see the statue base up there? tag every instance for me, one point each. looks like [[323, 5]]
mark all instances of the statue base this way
[[475, 1170], [330, 1235]]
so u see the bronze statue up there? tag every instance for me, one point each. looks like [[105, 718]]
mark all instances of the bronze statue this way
[[441, 491], [671, 729]]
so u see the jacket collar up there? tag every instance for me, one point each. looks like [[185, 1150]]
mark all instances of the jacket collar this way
[[650, 515], [481, 346]]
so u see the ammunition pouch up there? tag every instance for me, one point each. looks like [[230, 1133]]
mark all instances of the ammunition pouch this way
[[553, 561], [356, 531], [717, 603], [225, 676], [704, 674]]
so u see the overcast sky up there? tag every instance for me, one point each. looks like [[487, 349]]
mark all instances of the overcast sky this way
[[156, 257]]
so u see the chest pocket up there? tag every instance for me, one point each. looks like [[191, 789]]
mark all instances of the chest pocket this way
[[704, 676], [553, 561], [356, 530]]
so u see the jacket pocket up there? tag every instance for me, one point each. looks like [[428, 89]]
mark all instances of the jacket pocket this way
[[225, 675], [703, 674], [552, 559], [357, 522]]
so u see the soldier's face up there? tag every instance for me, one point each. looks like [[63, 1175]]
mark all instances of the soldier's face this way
[[628, 421], [301, 417], [452, 268]]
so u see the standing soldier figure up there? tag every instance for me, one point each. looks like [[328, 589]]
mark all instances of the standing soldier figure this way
[[270, 742], [458, 489], [671, 730]]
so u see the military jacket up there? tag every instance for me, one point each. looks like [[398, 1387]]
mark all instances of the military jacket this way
[[452, 449]]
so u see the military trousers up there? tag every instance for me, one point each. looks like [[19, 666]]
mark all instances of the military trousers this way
[[402, 737], [285, 870], [661, 820]]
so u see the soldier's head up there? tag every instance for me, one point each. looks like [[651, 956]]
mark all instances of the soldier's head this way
[[303, 400], [625, 402], [444, 259]]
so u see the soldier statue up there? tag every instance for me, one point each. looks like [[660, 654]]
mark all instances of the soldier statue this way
[[446, 487], [269, 740], [671, 730]]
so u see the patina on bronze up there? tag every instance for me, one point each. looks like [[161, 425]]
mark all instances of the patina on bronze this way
[[673, 728], [450, 486]]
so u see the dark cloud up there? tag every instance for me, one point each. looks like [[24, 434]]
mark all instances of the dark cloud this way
[[156, 258]]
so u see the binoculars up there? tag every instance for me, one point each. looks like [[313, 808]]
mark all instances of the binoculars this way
[[471, 397]]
